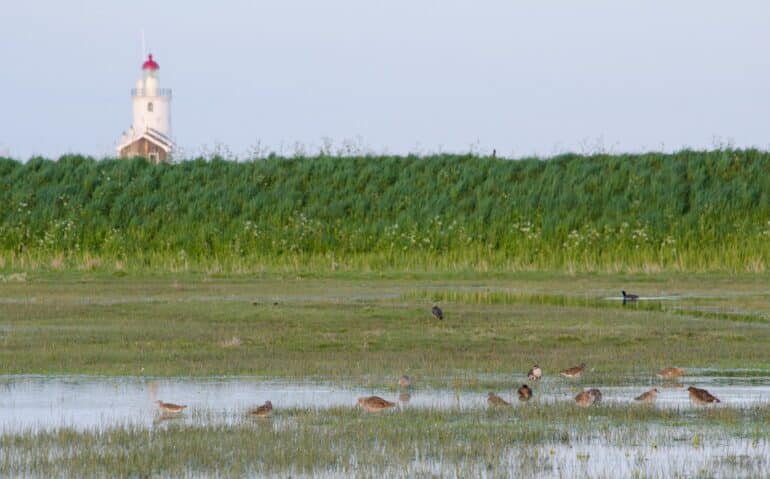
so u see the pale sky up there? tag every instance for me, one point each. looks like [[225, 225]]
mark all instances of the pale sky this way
[[524, 77]]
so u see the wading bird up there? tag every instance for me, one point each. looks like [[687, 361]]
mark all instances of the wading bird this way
[[670, 373], [263, 410], [574, 371], [169, 408], [629, 297], [587, 398], [701, 396], [437, 313], [404, 381], [584, 399], [525, 393], [495, 400], [648, 397], [535, 373], [374, 403]]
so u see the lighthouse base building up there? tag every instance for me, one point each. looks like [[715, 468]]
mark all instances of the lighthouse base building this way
[[151, 144], [150, 133]]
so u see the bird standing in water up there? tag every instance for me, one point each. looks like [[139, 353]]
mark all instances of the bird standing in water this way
[[263, 410], [629, 297], [535, 373], [525, 393], [587, 398], [495, 400], [574, 371], [701, 396], [169, 408], [647, 397], [374, 403]]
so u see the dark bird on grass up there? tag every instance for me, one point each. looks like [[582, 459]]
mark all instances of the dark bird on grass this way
[[535, 373], [647, 397], [670, 373], [169, 408], [629, 297], [574, 371], [404, 382], [263, 410], [525, 393], [701, 396], [374, 403], [437, 313], [495, 400]]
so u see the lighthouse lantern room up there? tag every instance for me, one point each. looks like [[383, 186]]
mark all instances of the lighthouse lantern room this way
[[150, 132]]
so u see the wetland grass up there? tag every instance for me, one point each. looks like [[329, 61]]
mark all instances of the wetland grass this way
[[342, 441], [362, 330]]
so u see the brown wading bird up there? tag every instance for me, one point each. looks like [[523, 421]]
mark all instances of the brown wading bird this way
[[404, 381], [535, 373], [525, 393], [701, 396], [495, 400], [584, 399], [263, 410], [587, 398], [437, 313], [670, 373], [169, 408], [574, 371], [374, 403], [647, 397]]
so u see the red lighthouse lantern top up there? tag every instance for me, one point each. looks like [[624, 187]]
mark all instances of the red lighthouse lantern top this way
[[150, 64]]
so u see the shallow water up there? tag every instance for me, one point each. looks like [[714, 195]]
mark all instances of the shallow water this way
[[86, 402]]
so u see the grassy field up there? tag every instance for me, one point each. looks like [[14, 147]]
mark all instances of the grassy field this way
[[369, 329]]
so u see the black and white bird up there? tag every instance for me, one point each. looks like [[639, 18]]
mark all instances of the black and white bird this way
[[437, 313]]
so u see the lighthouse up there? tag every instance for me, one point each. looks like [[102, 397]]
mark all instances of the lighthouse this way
[[150, 132]]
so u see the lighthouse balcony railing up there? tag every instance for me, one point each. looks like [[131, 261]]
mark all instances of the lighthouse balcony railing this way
[[165, 92]]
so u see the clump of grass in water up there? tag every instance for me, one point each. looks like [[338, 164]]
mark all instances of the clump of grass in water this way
[[348, 441]]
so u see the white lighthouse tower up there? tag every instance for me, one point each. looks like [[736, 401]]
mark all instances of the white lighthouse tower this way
[[150, 132]]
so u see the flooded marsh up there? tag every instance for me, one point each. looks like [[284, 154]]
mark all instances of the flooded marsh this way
[[83, 358]]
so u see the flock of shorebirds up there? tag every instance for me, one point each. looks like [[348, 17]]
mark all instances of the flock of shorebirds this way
[[584, 398]]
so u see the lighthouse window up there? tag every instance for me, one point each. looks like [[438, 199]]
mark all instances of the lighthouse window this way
[[149, 106]]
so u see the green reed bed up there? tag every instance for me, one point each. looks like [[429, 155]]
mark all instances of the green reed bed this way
[[346, 441], [687, 211]]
